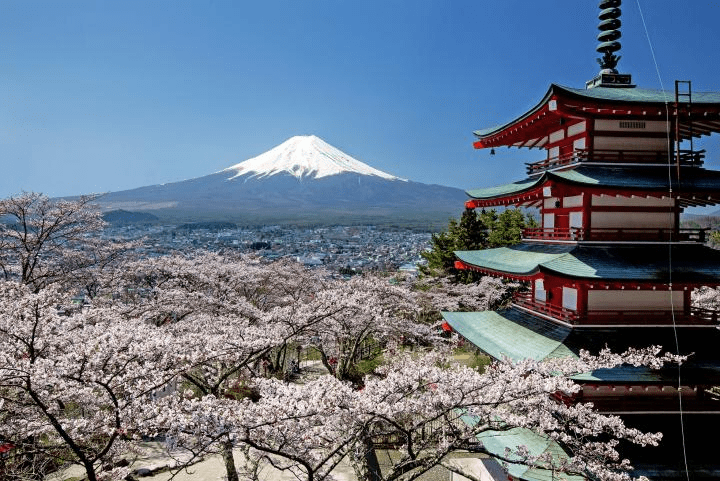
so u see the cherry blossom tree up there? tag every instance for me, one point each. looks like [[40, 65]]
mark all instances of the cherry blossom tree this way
[[706, 297], [435, 407], [45, 241], [431, 408], [232, 314], [437, 294], [72, 387], [370, 309]]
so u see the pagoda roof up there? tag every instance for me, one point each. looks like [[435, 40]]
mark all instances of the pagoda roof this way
[[517, 335], [697, 186], [561, 102], [635, 95], [497, 442], [693, 264]]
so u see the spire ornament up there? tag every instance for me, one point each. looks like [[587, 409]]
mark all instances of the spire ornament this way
[[609, 33], [609, 27]]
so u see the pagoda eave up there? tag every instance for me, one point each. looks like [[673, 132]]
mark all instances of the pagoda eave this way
[[697, 187], [464, 266], [563, 106]]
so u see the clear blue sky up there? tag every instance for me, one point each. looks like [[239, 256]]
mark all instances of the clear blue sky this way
[[105, 96]]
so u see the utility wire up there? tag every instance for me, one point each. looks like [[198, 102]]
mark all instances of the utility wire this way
[[670, 264]]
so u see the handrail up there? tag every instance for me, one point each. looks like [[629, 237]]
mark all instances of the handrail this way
[[617, 234], [525, 299], [688, 158], [693, 316]]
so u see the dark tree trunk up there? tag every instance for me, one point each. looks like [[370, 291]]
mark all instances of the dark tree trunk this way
[[229, 458], [367, 467]]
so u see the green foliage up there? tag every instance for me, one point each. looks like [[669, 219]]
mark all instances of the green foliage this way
[[472, 232], [714, 239], [472, 358]]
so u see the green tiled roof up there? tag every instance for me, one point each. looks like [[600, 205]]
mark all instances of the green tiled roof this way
[[496, 442], [499, 335], [653, 178], [519, 335], [520, 259], [632, 178], [690, 263], [636, 95], [502, 190]]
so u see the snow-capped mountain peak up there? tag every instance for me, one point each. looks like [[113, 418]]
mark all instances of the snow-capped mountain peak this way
[[304, 156]]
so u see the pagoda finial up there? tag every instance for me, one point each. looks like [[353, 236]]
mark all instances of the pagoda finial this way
[[609, 27], [609, 33]]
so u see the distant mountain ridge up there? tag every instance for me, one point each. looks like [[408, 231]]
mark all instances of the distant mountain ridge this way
[[302, 180]]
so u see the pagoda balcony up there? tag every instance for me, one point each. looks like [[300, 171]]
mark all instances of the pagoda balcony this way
[[688, 158], [616, 235], [695, 316]]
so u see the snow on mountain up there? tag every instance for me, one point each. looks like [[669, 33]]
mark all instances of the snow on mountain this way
[[304, 156]]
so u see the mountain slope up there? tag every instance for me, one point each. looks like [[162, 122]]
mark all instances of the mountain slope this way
[[302, 180], [304, 156]]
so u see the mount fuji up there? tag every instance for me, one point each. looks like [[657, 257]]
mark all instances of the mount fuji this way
[[302, 180]]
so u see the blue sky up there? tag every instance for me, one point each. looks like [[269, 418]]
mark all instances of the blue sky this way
[[106, 96]]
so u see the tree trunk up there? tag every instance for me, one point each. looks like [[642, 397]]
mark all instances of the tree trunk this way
[[342, 368], [365, 462], [229, 458]]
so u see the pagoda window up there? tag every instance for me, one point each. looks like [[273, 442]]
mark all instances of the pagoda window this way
[[570, 298], [553, 152], [579, 144], [540, 294]]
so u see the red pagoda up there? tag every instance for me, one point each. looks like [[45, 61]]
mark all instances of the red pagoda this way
[[611, 265]]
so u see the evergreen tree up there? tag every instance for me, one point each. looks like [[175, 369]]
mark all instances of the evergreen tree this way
[[472, 232]]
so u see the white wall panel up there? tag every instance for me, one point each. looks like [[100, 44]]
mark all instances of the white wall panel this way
[[629, 300], [638, 220]]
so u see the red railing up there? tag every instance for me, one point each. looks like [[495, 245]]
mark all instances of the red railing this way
[[555, 233], [525, 299], [693, 158], [695, 315], [621, 234]]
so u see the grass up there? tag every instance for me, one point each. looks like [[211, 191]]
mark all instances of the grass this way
[[471, 358]]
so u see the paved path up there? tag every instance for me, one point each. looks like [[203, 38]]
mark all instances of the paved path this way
[[213, 469]]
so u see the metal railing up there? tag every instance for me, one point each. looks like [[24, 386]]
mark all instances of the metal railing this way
[[693, 316], [688, 158], [617, 234]]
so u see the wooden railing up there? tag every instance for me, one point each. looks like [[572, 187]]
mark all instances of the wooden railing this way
[[525, 299], [555, 233], [688, 158], [694, 316], [620, 234]]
